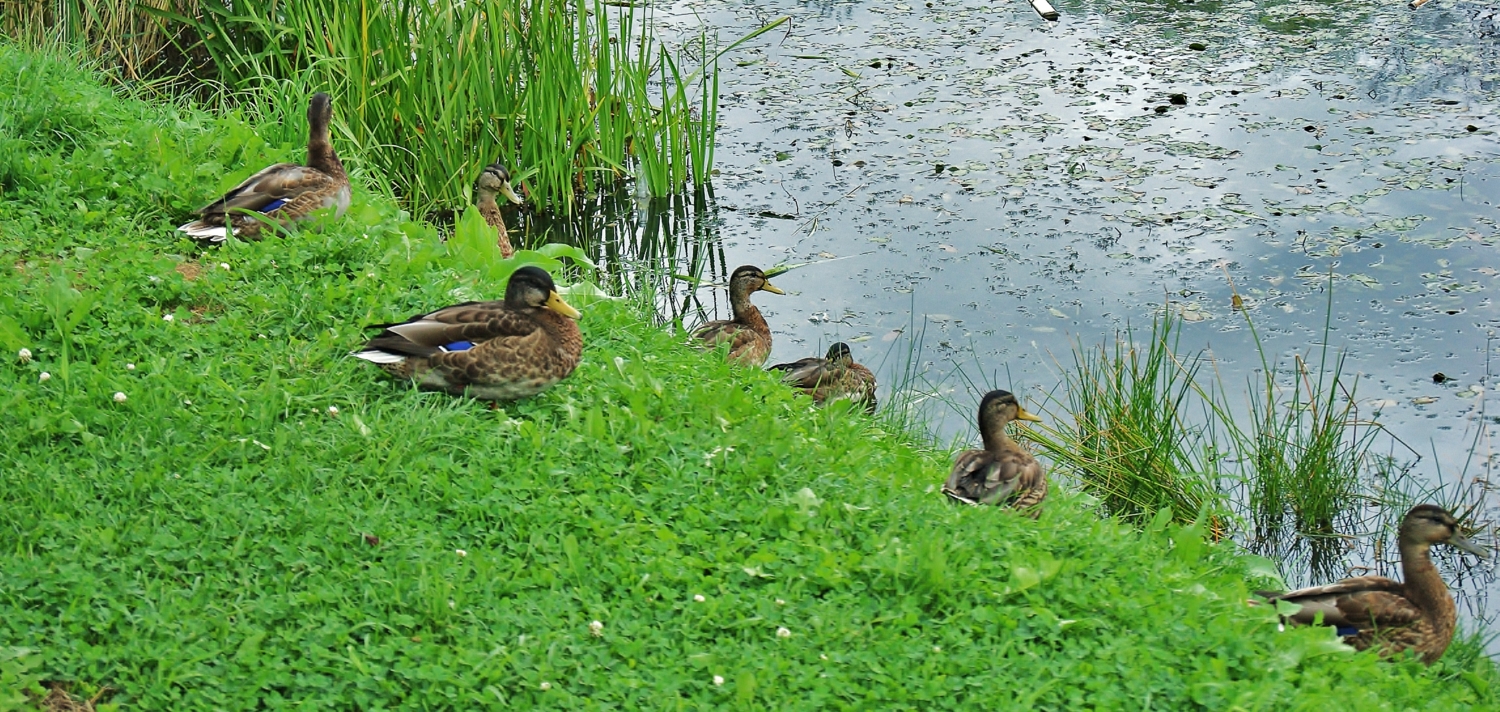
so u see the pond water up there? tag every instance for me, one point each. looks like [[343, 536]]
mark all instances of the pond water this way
[[1005, 188]]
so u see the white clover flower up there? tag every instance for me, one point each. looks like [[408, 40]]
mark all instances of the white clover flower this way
[[718, 679], [119, 397], [25, 355], [129, 367], [780, 602], [187, 402], [44, 377], [166, 317], [333, 410], [224, 265], [596, 628], [545, 686], [452, 605], [699, 597], [937, 648], [782, 632], [461, 552]]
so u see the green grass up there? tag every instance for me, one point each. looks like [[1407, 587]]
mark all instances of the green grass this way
[[224, 539]]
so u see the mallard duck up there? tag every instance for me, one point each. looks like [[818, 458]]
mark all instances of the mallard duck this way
[[1003, 470], [495, 179], [1374, 611], [283, 193], [494, 350], [832, 377], [747, 334]]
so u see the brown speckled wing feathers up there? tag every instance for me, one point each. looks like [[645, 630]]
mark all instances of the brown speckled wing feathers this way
[[504, 360], [823, 380], [1361, 602], [747, 345], [283, 181], [988, 478]]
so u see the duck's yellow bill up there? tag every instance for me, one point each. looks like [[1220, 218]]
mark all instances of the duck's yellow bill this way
[[1023, 414], [767, 286], [555, 303], [510, 194], [1469, 546]]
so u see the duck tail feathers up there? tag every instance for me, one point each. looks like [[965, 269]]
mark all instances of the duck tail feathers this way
[[378, 356], [201, 230]]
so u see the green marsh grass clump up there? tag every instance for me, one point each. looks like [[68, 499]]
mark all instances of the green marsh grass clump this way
[[262, 521], [1135, 441]]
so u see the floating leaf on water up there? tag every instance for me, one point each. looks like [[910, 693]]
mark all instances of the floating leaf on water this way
[[1423, 400], [892, 335], [1054, 312]]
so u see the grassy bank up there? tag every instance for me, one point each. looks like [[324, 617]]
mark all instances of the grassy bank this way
[[261, 522], [579, 94]]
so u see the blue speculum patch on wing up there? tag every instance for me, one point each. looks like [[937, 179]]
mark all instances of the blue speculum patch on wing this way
[[1345, 631], [268, 207], [459, 346]]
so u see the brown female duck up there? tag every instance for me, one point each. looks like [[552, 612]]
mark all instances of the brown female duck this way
[[832, 377], [748, 335], [1391, 616], [1003, 471], [492, 180], [281, 194], [496, 350]]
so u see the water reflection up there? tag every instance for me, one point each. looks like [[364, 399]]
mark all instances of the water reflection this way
[[662, 247]]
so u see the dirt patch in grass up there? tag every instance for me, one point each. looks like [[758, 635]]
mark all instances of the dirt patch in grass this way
[[189, 270], [58, 699]]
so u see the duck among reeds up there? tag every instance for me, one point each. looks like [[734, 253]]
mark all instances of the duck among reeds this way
[[1392, 616], [494, 350], [1003, 472], [493, 180], [832, 377], [748, 335], [281, 194]]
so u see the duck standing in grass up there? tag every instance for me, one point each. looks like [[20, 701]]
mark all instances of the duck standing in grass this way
[[281, 194], [1376, 612], [748, 335], [494, 350], [492, 180], [834, 376], [1003, 471]]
